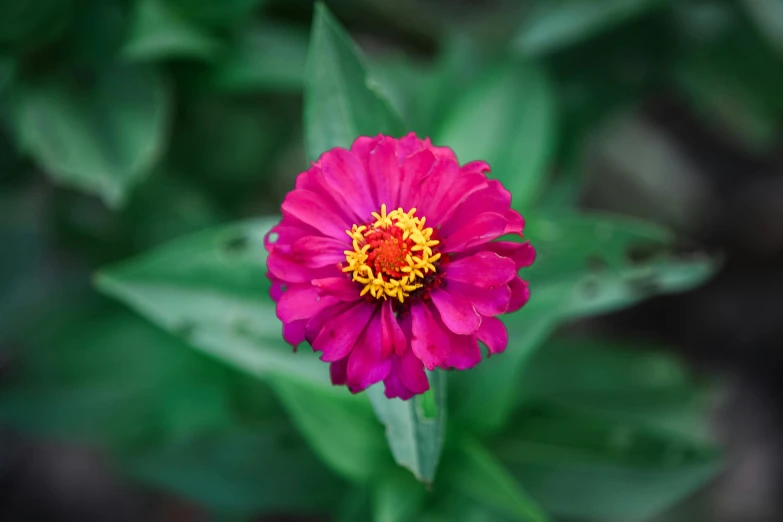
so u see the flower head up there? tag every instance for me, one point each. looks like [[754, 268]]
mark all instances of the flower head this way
[[387, 261]]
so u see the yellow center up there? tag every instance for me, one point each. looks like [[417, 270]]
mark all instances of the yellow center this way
[[392, 256]]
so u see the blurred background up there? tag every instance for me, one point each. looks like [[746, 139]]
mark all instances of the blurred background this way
[[127, 123]]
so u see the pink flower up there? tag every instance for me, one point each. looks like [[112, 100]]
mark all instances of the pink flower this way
[[386, 262]]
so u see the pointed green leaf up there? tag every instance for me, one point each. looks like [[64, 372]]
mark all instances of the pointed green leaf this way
[[601, 263], [414, 428], [508, 120], [341, 101], [211, 289], [101, 138], [159, 33]]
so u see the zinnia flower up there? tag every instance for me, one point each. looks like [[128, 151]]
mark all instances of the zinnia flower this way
[[386, 262]]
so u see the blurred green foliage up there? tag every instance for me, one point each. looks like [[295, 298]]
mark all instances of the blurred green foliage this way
[[159, 137]]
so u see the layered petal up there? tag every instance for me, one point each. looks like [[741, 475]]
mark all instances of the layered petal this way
[[390, 260]]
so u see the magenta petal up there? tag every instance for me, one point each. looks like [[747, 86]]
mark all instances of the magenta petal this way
[[442, 176], [385, 173], [482, 229], [316, 323], [341, 288], [393, 338], [338, 371], [276, 289], [366, 364], [493, 333], [314, 251], [394, 388], [338, 336], [411, 372], [483, 269], [487, 301], [301, 302], [413, 170], [362, 147], [294, 332], [465, 352], [514, 221], [284, 268], [343, 172], [523, 254], [520, 293], [428, 340], [475, 167], [458, 315], [312, 209]]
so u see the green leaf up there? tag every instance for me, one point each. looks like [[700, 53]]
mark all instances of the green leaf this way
[[264, 57], [397, 498], [101, 138], [587, 468], [211, 289], [340, 427], [414, 428], [475, 473], [341, 102], [586, 264], [159, 33], [601, 263], [508, 120], [241, 471], [635, 384], [554, 25]]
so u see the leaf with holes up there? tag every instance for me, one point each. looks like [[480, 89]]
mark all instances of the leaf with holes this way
[[601, 263], [211, 289]]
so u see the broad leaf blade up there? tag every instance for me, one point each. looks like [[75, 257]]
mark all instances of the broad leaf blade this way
[[341, 102], [211, 289], [601, 263], [414, 428], [508, 120]]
